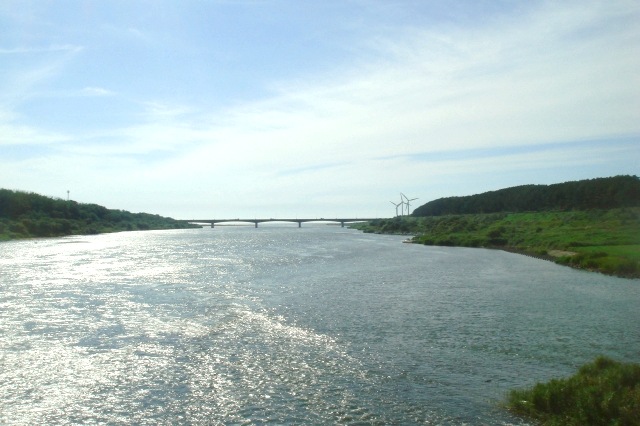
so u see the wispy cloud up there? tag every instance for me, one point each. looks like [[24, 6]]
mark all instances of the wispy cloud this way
[[96, 91], [21, 135], [47, 49], [13, 133], [129, 33], [430, 109], [46, 65]]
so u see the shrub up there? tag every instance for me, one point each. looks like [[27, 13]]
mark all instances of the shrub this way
[[497, 242], [18, 228], [604, 392], [627, 267]]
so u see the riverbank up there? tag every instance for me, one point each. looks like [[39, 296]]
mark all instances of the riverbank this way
[[606, 241], [47, 228]]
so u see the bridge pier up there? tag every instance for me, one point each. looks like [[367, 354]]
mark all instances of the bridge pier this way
[[342, 223], [299, 224], [213, 225]]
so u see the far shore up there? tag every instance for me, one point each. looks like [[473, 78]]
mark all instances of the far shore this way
[[605, 241]]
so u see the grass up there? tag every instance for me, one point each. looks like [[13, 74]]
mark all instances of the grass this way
[[604, 392], [607, 241], [622, 251]]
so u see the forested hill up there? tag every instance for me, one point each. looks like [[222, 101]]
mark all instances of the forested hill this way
[[24, 215], [600, 193]]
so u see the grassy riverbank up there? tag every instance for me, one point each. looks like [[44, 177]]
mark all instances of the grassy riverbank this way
[[29, 215], [607, 241], [604, 392]]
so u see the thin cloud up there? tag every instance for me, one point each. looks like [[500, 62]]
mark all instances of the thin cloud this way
[[431, 110], [53, 48], [20, 86], [304, 170], [15, 134], [97, 91]]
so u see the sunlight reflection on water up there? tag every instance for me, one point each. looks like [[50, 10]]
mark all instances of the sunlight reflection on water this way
[[301, 326]]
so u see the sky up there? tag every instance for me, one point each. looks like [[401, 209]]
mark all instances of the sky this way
[[272, 108]]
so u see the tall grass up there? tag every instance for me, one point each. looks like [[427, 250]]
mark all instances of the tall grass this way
[[604, 392]]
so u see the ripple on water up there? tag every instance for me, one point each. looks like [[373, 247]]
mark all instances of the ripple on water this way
[[302, 326]]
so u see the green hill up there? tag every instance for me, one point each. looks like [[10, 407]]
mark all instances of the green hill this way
[[26, 215], [600, 193]]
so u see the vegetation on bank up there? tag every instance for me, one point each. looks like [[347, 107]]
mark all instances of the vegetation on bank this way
[[607, 241], [604, 392], [26, 215], [588, 194], [592, 224]]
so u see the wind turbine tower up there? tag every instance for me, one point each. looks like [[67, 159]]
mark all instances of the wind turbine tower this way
[[407, 202], [397, 205]]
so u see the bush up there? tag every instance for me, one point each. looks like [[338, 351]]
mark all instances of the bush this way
[[627, 267], [604, 392], [18, 228]]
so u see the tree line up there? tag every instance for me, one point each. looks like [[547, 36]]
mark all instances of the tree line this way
[[27, 214], [600, 193]]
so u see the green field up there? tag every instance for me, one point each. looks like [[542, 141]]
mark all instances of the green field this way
[[607, 241]]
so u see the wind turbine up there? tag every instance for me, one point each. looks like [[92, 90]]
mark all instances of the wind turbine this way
[[407, 202], [397, 205]]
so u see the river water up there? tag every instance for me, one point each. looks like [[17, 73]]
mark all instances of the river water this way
[[288, 325]]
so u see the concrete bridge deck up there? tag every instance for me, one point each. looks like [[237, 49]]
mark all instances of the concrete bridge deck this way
[[341, 221]]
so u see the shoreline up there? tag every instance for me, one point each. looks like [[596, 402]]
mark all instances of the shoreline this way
[[551, 256], [605, 241]]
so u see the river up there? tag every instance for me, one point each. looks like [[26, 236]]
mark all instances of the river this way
[[288, 325]]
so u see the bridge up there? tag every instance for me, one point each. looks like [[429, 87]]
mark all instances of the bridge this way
[[342, 221]]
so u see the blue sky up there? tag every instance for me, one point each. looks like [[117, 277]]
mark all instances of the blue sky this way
[[218, 109]]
